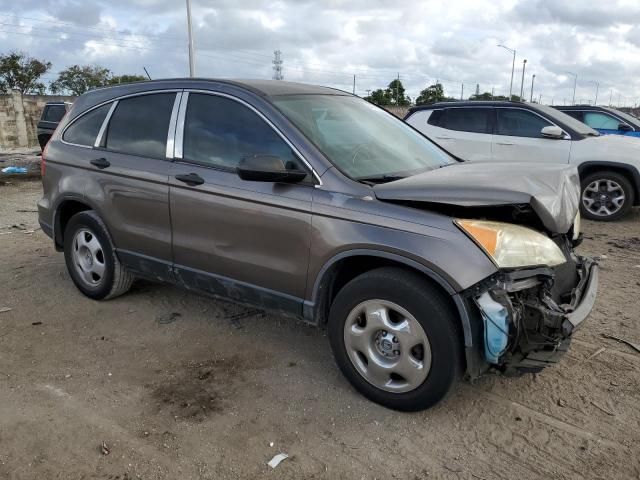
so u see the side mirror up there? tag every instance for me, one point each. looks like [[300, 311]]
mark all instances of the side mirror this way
[[267, 168], [552, 132], [623, 127]]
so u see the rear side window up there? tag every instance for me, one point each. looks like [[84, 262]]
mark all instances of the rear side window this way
[[519, 123], [601, 120], [139, 125], [53, 113], [219, 132], [475, 120], [84, 130], [434, 118]]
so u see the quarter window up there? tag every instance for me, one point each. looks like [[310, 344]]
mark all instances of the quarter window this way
[[600, 120], [475, 120], [84, 130], [139, 125], [219, 132], [519, 123]]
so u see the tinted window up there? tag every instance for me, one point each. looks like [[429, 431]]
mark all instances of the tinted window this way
[[140, 125], [601, 120], [85, 129], [434, 118], [519, 123], [474, 120], [53, 113], [219, 132], [573, 113]]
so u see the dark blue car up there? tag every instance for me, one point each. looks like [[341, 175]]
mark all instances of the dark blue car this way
[[606, 120]]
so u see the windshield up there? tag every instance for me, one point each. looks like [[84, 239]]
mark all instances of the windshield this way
[[568, 120], [360, 139]]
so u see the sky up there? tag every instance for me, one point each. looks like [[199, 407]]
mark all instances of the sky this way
[[328, 42]]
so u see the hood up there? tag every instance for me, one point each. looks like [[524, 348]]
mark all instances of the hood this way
[[552, 191]]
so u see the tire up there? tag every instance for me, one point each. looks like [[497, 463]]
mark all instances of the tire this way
[[613, 187], [356, 337], [90, 257]]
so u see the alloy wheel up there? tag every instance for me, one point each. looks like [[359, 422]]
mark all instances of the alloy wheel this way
[[603, 197]]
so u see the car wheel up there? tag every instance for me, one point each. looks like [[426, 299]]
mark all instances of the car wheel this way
[[606, 196], [91, 260], [396, 339]]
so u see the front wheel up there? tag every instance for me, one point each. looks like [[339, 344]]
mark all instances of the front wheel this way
[[606, 196], [396, 339]]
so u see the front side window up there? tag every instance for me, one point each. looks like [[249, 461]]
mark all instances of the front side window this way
[[474, 120], [519, 123], [219, 132], [361, 140], [139, 125], [84, 130], [601, 120]]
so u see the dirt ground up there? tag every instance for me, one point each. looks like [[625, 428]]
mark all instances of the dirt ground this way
[[216, 391]]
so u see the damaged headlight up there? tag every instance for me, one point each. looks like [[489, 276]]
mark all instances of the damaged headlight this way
[[512, 245]]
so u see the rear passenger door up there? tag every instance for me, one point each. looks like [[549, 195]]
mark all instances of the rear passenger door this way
[[231, 237], [517, 138], [464, 131], [129, 171]]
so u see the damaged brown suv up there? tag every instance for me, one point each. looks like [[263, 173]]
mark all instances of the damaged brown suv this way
[[311, 202]]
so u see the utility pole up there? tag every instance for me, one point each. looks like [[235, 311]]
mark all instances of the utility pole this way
[[192, 62], [277, 65], [610, 96], [524, 66], [368, 92], [575, 82], [513, 66], [397, 90], [540, 100], [354, 84], [533, 79], [619, 95], [492, 90], [595, 102], [462, 92]]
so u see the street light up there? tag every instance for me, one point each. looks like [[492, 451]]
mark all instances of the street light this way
[[533, 79], [575, 82], [513, 66], [597, 84], [192, 64], [524, 65]]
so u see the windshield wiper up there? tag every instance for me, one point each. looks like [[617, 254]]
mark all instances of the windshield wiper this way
[[375, 179]]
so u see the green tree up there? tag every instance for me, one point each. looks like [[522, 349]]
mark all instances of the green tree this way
[[484, 96], [77, 79], [395, 92], [379, 97], [20, 72], [431, 94], [116, 79]]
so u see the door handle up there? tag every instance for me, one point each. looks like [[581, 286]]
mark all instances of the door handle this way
[[190, 179], [100, 163], [503, 143]]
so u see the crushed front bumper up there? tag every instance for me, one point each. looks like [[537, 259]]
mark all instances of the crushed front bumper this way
[[526, 325]]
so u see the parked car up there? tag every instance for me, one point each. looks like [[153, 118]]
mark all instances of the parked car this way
[[51, 115], [605, 120], [424, 268], [525, 132]]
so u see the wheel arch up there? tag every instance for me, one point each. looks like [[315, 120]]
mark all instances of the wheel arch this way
[[65, 208], [629, 171], [345, 266]]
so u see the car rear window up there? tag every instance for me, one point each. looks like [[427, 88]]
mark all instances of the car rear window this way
[[475, 120], [84, 130], [139, 125], [53, 113]]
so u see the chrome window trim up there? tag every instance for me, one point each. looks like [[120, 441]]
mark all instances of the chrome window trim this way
[[179, 136], [171, 134], [566, 135], [105, 122], [137, 94], [181, 121]]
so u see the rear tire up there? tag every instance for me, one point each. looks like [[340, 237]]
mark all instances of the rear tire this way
[[91, 259], [407, 358], [605, 196]]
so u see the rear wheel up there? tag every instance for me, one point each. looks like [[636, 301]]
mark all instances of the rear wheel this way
[[91, 260], [606, 196], [395, 337]]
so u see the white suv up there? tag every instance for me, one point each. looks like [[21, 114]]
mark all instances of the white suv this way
[[609, 165]]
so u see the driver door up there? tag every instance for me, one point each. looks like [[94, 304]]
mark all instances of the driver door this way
[[235, 238]]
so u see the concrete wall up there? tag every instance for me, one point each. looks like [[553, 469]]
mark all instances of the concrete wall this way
[[19, 115]]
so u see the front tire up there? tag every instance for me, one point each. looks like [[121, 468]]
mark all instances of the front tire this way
[[396, 339], [91, 260], [606, 196]]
